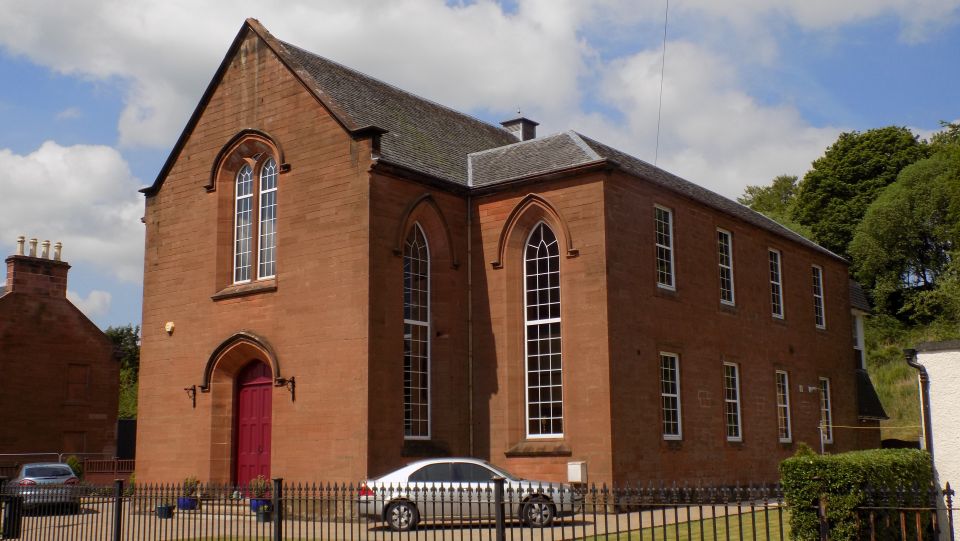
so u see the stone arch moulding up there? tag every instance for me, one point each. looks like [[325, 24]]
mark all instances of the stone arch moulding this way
[[240, 339], [244, 136], [426, 200], [541, 203]]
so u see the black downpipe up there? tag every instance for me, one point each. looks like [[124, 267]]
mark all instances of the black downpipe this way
[[910, 355]]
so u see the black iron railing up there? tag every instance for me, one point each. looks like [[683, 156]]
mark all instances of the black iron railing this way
[[497, 511]]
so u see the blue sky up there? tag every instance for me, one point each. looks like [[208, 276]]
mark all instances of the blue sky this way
[[95, 93]]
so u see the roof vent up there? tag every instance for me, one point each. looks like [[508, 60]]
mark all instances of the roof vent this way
[[521, 127]]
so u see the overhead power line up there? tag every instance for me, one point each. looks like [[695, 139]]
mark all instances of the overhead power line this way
[[663, 63]]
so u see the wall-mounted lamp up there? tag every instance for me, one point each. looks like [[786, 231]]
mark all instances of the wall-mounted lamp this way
[[192, 394], [169, 327], [291, 385]]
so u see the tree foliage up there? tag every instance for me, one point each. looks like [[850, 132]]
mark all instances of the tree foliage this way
[[126, 343], [775, 201], [835, 194], [903, 246], [775, 198]]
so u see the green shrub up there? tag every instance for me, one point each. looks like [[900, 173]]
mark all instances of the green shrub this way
[[842, 479], [190, 485], [76, 465], [131, 487]]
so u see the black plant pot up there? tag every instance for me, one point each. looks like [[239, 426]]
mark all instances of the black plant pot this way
[[165, 511], [264, 514]]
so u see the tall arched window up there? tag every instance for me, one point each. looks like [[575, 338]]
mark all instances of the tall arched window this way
[[416, 336], [243, 220], [544, 383], [268, 219], [249, 251]]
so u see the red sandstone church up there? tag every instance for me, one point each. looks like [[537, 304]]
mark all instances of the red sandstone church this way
[[342, 277]]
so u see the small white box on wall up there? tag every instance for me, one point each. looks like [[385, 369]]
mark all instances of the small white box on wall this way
[[577, 472]]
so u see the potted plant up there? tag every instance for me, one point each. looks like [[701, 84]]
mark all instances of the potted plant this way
[[258, 489], [188, 500], [265, 512], [165, 508]]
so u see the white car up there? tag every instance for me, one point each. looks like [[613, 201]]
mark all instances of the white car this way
[[47, 483], [461, 488]]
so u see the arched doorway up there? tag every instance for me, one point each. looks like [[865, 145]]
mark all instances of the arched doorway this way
[[252, 415]]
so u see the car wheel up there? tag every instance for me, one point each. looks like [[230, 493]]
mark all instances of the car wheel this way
[[538, 513], [402, 516]]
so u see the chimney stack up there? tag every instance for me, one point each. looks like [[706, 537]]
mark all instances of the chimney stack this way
[[32, 275], [521, 127]]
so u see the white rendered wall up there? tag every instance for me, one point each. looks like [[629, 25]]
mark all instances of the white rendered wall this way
[[943, 368]]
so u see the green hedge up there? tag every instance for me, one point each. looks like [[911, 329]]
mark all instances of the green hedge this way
[[842, 478]]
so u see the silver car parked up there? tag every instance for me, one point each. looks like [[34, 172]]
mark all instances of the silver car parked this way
[[47, 483], [461, 489]]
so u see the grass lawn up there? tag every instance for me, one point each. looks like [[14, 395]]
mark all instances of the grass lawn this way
[[747, 526]]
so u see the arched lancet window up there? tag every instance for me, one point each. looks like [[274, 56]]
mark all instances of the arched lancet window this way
[[243, 220], [268, 219], [544, 383], [259, 251], [416, 336]]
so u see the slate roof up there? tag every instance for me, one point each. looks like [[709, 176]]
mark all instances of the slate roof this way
[[858, 299], [571, 149], [868, 403], [420, 134], [530, 158], [435, 141]]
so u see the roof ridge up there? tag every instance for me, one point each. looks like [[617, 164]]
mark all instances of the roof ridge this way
[[518, 143], [578, 139], [395, 87]]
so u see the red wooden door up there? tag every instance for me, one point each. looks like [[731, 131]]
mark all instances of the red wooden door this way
[[254, 389]]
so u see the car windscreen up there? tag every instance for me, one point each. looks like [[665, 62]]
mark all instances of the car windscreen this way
[[47, 471]]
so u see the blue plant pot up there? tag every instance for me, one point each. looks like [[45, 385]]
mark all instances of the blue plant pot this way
[[187, 503], [257, 503]]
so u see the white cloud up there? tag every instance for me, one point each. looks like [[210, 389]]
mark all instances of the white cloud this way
[[712, 131], [84, 196], [540, 57], [471, 56], [69, 113], [96, 304]]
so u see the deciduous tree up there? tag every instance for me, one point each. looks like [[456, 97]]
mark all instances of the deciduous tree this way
[[834, 195]]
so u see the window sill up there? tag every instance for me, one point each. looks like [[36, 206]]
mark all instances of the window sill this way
[[673, 444], [539, 448], [666, 293], [728, 308], [251, 288]]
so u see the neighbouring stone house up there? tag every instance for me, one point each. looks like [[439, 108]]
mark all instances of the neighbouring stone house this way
[[59, 378], [341, 277]]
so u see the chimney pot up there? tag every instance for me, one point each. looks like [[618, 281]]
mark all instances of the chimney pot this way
[[521, 127], [57, 248], [33, 248], [20, 240], [45, 251]]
